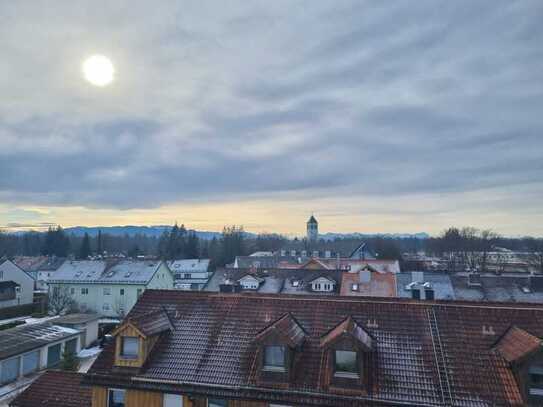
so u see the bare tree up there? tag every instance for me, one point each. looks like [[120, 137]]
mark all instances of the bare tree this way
[[119, 307], [60, 301], [535, 255]]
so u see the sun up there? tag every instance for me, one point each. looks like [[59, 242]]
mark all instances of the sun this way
[[98, 70]]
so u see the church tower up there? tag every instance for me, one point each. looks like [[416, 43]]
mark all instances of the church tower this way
[[312, 229]]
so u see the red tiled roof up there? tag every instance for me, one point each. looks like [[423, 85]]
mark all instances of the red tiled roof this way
[[55, 389], [152, 323], [287, 328], [517, 344], [379, 285], [425, 353], [351, 328]]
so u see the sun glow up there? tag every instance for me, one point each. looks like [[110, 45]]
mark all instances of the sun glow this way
[[98, 70]]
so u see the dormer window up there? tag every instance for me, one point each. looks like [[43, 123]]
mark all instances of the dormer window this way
[[136, 337], [535, 380], [278, 344], [347, 350], [523, 353], [129, 347], [274, 358], [346, 364]]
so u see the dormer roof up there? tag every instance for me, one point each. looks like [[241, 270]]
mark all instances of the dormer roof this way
[[350, 328], [287, 328], [149, 324], [517, 344]]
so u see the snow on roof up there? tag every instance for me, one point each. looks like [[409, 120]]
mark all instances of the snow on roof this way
[[189, 265], [24, 338], [107, 272]]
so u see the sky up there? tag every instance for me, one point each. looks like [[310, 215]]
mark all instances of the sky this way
[[395, 116]]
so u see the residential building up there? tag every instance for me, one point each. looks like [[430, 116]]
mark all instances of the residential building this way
[[27, 349], [265, 262], [41, 268], [86, 324], [190, 274], [423, 285], [16, 285], [55, 389], [326, 249], [202, 349], [369, 282], [506, 287], [110, 287], [275, 281]]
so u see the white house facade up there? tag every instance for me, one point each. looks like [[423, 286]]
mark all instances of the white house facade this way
[[110, 289], [16, 285], [190, 274]]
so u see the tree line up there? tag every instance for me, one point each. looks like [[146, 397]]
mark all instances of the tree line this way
[[465, 247]]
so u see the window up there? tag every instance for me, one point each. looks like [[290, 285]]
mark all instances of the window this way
[[354, 287], [72, 291], [274, 358], [107, 291], [121, 291], [53, 355], [535, 380], [106, 307], [429, 294], [172, 400], [217, 403], [84, 291], [415, 294], [139, 292], [129, 347], [345, 364], [10, 370], [115, 398], [187, 275]]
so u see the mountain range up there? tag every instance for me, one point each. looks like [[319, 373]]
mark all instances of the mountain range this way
[[206, 235]]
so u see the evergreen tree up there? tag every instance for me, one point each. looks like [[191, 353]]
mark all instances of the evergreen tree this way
[[134, 252], [192, 249], [232, 244], [56, 243], [84, 249], [70, 361], [99, 246]]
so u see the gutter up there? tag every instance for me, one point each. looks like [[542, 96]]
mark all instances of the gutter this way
[[281, 394]]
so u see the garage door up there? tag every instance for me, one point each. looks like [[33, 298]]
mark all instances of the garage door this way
[[53, 355], [10, 370], [31, 362]]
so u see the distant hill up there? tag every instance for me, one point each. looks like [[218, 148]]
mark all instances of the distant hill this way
[[159, 229], [332, 236], [132, 230]]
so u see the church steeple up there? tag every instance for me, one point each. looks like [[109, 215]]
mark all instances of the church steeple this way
[[312, 229]]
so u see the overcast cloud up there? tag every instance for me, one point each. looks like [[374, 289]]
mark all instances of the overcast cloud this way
[[404, 101]]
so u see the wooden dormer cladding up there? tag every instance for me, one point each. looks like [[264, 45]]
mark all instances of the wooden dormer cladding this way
[[523, 352], [145, 330], [349, 341], [283, 336]]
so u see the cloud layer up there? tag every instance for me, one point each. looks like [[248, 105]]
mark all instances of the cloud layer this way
[[376, 101]]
